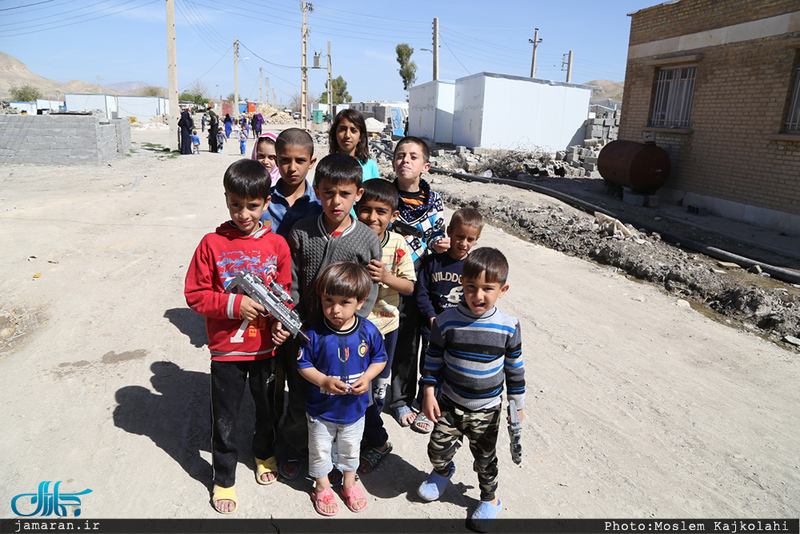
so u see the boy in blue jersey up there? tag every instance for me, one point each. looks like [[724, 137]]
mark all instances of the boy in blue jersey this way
[[344, 353], [473, 348]]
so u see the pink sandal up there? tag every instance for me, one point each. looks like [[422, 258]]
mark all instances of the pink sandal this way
[[351, 495], [324, 498]]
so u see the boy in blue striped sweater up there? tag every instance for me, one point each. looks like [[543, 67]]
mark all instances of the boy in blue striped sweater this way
[[474, 348]]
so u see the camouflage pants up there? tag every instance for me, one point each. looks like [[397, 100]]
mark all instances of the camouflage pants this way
[[481, 430]]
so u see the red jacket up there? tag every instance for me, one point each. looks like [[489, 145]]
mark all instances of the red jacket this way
[[218, 259]]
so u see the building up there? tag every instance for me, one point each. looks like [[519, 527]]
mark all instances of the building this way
[[716, 84]]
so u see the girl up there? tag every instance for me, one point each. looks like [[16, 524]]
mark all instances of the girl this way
[[264, 153], [228, 125], [348, 135]]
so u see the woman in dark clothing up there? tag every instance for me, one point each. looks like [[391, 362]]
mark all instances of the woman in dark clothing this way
[[258, 122], [228, 125], [186, 123], [213, 129]]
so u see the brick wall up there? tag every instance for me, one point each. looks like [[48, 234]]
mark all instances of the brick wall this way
[[689, 16], [732, 150], [62, 139]]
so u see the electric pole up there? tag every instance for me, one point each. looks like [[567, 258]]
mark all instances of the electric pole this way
[[330, 83], [569, 67], [259, 85], [535, 42], [172, 76], [304, 80], [236, 79], [266, 81], [436, 48]]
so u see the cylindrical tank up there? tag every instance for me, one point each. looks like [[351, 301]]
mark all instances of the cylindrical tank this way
[[643, 168]]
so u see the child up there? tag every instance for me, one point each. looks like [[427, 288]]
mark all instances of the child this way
[[220, 141], [344, 353], [195, 142], [293, 199], [243, 142], [335, 235], [348, 135], [439, 285], [473, 347], [421, 221], [394, 274], [264, 153], [238, 335]]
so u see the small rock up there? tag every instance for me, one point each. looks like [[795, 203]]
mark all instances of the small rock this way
[[755, 269], [683, 303], [728, 265], [791, 339]]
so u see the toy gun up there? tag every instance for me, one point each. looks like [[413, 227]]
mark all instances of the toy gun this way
[[514, 432], [274, 298], [407, 229]]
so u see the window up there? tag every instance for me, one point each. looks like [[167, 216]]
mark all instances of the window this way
[[673, 102], [793, 118]]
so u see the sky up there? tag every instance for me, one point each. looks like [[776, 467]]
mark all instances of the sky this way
[[117, 41]]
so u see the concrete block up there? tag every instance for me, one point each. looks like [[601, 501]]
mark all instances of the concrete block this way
[[593, 174], [590, 166], [632, 198], [461, 150], [697, 210], [590, 159]]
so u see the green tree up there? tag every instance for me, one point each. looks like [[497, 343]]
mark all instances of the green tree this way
[[151, 90], [338, 91], [25, 93], [197, 98], [408, 69]]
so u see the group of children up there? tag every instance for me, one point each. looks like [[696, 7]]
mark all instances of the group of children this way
[[371, 269]]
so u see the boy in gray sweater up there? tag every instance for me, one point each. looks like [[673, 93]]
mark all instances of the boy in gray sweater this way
[[315, 242]]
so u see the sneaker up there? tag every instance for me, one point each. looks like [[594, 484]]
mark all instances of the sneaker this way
[[432, 489]]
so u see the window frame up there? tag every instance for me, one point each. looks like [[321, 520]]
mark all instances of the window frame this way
[[673, 96]]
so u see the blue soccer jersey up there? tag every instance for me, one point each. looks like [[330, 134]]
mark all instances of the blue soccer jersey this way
[[345, 354]]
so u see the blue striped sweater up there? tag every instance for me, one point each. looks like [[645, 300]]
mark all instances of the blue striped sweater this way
[[470, 356]]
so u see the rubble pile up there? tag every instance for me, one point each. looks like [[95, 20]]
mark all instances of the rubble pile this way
[[273, 115]]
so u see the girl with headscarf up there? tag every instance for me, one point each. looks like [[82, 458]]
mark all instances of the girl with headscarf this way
[[186, 124], [213, 129], [258, 121]]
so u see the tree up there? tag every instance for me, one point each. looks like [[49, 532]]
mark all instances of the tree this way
[[338, 91], [190, 96], [151, 90], [408, 69], [25, 93]]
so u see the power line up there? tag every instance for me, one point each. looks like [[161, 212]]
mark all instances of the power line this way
[[81, 21], [27, 5]]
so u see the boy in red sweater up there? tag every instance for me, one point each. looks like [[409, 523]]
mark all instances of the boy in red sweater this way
[[238, 336]]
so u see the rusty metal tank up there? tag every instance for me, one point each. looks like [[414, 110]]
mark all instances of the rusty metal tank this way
[[642, 167]]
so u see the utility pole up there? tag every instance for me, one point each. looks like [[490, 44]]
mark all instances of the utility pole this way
[[172, 76], [266, 81], [236, 79], [274, 100], [304, 80], [330, 83], [535, 42], [569, 68], [259, 85], [436, 48]]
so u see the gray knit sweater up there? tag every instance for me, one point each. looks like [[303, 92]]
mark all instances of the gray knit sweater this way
[[313, 249]]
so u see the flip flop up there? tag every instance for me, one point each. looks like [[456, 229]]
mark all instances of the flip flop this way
[[372, 457], [290, 460], [324, 498], [351, 495], [422, 420], [220, 494], [266, 466], [401, 411]]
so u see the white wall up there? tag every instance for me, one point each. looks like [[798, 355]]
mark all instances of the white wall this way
[[518, 113], [27, 107], [105, 103], [52, 105], [143, 108], [422, 110], [445, 105]]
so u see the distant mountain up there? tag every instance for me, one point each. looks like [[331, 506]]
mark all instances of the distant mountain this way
[[126, 86], [609, 89], [14, 73]]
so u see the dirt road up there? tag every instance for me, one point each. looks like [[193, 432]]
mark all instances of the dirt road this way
[[636, 406]]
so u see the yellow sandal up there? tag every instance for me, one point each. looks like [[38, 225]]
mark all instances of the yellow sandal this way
[[270, 465], [220, 494]]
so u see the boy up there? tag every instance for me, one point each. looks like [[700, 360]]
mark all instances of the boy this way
[[421, 221], [395, 275], [343, 355], [243, 141], [473, 347], [314, 243], [238, 336], [195, 142], [439, 285]]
